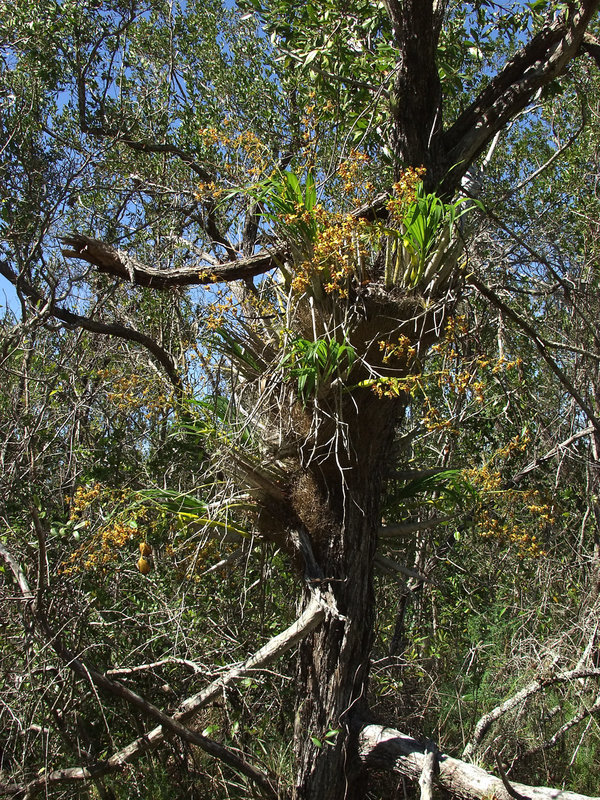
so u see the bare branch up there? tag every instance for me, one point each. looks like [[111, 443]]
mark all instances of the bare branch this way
[[125, 137], [559, 448], [116, 671], [389, 565], [528, 691], [120, 264], [429, 772], [384, 748], [509, 788], [563, 730], [94, 326], [405, 530]]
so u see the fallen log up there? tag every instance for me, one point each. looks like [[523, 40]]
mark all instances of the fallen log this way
[[387, 749]]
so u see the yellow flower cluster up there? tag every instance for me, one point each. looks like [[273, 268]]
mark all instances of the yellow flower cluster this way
[[210, 189], [84, 496], [403, 350], [518, 444], [510, 515], [353, 178], [508, 530], [337, 252], [126, 523], [395, 387], [433, 419], [219, 311], [245, 155], [101, 550], [134, 392], [405, 192], [502, 364], [457, 325]]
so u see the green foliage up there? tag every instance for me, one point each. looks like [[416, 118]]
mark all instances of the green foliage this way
[[426, 226], [289, 206], [314, 364], [450, 484], [182, 103]]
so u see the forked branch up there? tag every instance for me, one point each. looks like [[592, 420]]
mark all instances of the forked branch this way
[[275, 647], [116, 329]]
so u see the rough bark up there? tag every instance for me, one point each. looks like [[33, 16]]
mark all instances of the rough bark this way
[[334, 662], [417, 93]]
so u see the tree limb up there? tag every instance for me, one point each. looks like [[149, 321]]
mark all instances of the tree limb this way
[[534, 66], [382, 748], [416, 100], [94, 326], [426, 781], [509, 788], [405, 530], [537, 462], [121, 265], [389, 565], [564, 729], [528, 691]]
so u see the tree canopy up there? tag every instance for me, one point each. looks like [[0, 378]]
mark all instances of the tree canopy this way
[[300, 429]]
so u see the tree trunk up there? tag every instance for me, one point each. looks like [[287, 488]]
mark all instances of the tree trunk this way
[[333, 668]]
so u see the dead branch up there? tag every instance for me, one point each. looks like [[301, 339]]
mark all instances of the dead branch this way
[[563, 730], [121, 265], [522, 323], [117, 671], [391, 566], [405, 530], [528, 691], [559, 448], [507, 785], [387, 749], [427, 779], [275, 647]]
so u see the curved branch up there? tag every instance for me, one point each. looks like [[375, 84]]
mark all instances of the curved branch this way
[[94, 326], [125, 137], [563, 730], [120, 264]]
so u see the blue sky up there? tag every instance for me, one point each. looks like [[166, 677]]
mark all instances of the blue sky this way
[[8, 297]]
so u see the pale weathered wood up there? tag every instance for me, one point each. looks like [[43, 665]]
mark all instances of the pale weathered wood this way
[[384, 748]]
